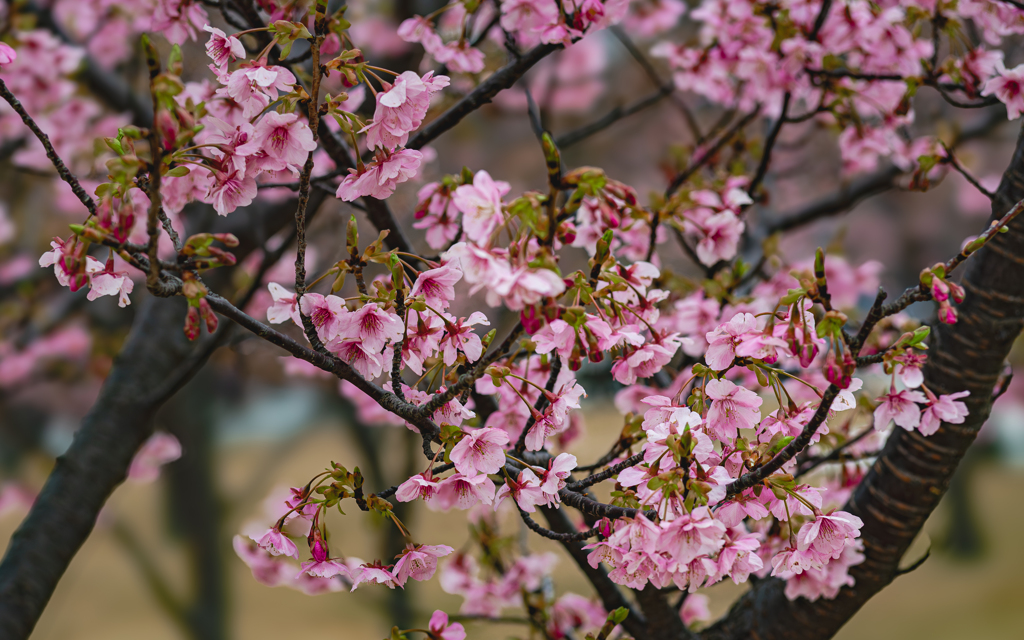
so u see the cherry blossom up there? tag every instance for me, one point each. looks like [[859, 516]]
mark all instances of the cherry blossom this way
[[943, 408], [1008, 86], [277, 544], [723, 340], [230, 190], [419, 562], [827, 535], [327, 313], [462, 492], [380, 178], [480, 451], [159, 449], [733, 408], [282, 139], [371, 326], [374, 574], [7, 54], [899, 407], [417, 487], [440, 628], [221, 47], [284, 307], [481, 206], [321, 566], [459, 337], [401, 109], [525, 490], [437, 286]]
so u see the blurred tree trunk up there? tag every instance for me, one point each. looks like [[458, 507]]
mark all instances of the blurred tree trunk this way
[[195, 507]]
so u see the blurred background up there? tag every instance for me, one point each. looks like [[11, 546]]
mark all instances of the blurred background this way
[[160, 563]]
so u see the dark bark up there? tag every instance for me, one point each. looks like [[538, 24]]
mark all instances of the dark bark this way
[[84, 477], [913, 472], [195, 506]]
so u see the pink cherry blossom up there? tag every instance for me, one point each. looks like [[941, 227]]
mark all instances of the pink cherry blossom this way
[[459, 337], [373, 574], [480, 451], [945, 408], [437, 285], [322, 566], [256, 85], [827, 535], [1008, 86], [401, 109], [369, 364], [221, 47], [159, 449], [723, 340], [285, 306], [664, 419], [481, 206], [178, 20], [647, 360], [439, 627], [419, 486], [462, 492], [826, 581], [553, 420], [327, 313], [525, 490], [554, 477], [379, 178], [277, 544], [719, 237], [372, 326], [7, 54], [284, 140], [419, 29], [692, 535], [524, 287], [460, 57], [419, 562], [230, 190], [265, 569], [733, 408], [111, 283], [899, 407]]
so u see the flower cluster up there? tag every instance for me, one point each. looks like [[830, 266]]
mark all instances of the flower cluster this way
[[729, 383]]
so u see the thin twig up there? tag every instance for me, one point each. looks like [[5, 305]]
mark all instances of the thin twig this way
[[62, 169]]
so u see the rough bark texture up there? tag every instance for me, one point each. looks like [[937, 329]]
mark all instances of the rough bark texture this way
[[913, 472]]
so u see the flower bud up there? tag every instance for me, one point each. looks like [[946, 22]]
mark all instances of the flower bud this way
[[192, 323], [208, 315]]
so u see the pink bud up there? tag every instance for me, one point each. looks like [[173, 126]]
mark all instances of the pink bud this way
[[947, 314], [192, 323], [806, 353], [531, 320], [940, 290], [836, 372], [957, 292], [208, 315], [168, 128]]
